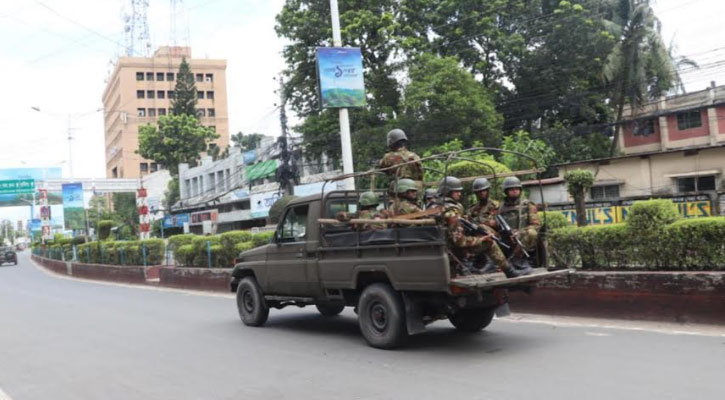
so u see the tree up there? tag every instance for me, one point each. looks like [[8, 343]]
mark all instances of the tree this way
[[125, 211], [444, 101], [577, 184], [246, 142], [172, 194], [184, 98], [177, 139], [521, 142], [639, 67]]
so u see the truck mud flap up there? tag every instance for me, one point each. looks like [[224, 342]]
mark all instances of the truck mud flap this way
[[499, 280]]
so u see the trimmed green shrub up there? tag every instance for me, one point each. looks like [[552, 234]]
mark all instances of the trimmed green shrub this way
[[200, 250], [649, 215], [262, 238], [553, 219], [696, 243], [184, 255], [155, 249], [229, 240], [177, 241], [243, 246]]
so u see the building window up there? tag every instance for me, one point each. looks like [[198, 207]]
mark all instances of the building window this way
[[200, 113], [141, 112], [210, 95], [210, 112], [644, 127], [209, 78], [220, 181], [139, 76], [169, 76], [144, 167], [150, 94], [162, 111], [152, 112], [200, 95], [160, 94], [170, 94], [212, 183], [696, 184], [604, 192], [159, 76], [187, 188], [149, 76], [199, 77], [114, 172], [688, 120], [140, 94], [154, 167]]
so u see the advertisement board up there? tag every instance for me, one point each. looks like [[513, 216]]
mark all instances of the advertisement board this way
[[340, 77], [176, 220], [73, 211], [13, 199], [261, 203], [199, 217]]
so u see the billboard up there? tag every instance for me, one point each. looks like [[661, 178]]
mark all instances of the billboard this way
[[340, 77], [260, 203], [176, 220], [73, 210], [27, 174]]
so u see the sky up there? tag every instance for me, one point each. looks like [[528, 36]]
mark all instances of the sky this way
[[56, 55]]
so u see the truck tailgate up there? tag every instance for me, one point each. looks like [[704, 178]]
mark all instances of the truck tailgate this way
[[498, 279]]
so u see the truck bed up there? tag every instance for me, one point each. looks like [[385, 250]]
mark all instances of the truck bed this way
[[498, 279]]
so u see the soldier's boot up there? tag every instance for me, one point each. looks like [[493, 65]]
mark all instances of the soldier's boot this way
[[522, 265], [463, 270], [489, 268]]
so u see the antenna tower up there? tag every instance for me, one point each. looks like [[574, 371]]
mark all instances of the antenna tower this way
[[136, 28], [178, 24]]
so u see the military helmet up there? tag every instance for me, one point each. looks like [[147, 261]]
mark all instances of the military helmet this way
[[406, 184], [396, 135], [430, 193], [511, 182], [369, 199], [449, 184], [481, 184]]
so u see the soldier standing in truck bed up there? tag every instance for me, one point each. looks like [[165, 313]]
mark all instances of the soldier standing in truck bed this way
[[409, 163]]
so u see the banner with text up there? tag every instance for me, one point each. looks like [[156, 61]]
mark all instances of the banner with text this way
[[73, 211], [340, 77]]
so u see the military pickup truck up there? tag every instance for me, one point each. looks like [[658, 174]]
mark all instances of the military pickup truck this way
[[398, 279]]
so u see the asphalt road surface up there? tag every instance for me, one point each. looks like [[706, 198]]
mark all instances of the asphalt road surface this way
[[63, 338]]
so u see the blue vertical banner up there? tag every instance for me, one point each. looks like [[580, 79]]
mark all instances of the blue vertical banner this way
[[340, 77], [73, 207]]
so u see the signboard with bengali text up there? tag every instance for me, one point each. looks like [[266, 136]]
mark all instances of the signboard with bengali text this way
[[340, 77]]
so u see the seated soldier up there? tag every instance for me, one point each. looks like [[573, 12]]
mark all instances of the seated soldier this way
[[522, 218], [367, 209], [461, 245], [406, 201]]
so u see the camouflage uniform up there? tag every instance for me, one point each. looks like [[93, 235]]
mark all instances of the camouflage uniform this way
[[466, 246], [402, 206], [482, 213], [412, 171], [521, 215]]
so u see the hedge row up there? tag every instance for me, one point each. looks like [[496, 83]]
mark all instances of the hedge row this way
[[691, 244], [221, 250], [132, 252]]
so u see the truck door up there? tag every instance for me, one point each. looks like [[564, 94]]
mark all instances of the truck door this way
[[287, 263]]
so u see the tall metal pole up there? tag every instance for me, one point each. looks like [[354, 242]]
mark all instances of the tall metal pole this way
[[347, 167], [70, 147]]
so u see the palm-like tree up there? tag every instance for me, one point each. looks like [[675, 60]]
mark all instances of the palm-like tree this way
[[640, 66]]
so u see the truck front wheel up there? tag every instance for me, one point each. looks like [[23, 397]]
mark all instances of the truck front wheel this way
[[472, 320], [253, 309], [381, 315]]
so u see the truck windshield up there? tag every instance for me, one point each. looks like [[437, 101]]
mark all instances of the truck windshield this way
[[294, 226]]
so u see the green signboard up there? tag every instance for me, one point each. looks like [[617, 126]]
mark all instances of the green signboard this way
[[16, 186]]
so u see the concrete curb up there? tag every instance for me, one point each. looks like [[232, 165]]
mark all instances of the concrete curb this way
[[693, 297]]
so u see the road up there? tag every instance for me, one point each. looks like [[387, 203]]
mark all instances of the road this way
[[63, 338]]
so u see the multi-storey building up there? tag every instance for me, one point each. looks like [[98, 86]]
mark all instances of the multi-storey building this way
[[139, 91]]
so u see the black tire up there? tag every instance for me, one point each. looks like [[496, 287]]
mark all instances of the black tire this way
[[253, 309], [330, 309], [472, 320], [381, 316]]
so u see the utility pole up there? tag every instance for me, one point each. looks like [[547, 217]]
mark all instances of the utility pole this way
[[70, 147], [286, 174], [347, 166]]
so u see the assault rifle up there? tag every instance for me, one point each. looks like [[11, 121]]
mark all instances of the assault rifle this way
[[508, 233], [473, 229]]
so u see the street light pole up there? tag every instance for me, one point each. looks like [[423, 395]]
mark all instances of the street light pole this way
[[347, 166], [70, 147]]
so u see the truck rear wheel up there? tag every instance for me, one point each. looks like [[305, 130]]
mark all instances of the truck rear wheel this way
[[330, 309], [381, 316], [253, 309], [472, 320]]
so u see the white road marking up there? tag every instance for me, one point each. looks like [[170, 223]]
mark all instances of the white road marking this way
[[667, 328], [129, 285]]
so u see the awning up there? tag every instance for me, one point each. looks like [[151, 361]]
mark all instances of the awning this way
[[608, 182], [696, 173], [261, 170]]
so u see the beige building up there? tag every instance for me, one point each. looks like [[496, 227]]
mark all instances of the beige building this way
[[138, 92], [672, 147]]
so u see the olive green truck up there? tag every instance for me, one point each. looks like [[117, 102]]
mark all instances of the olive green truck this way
[[399, 279]]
